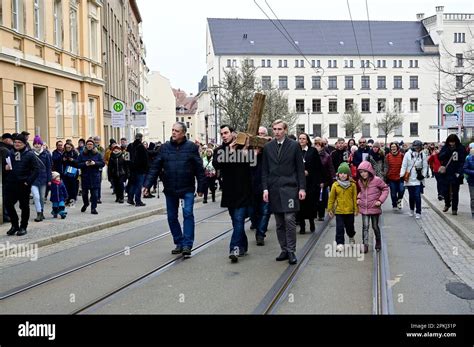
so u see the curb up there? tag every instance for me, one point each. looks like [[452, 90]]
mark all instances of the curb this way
[[458, 229]]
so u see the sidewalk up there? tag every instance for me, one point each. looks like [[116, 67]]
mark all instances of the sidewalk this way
[[76, 224], [463, 223]]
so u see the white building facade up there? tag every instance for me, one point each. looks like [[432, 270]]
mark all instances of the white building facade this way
[[393, 66], [161, 108]]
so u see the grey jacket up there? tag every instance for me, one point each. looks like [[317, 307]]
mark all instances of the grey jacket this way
[[283, 175]]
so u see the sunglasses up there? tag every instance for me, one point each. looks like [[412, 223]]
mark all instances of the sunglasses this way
[[361, 142]]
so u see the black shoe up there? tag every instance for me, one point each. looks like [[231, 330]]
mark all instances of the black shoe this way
[[186, 252], [94, 211], [260, 241], [440, 197], [378, 245], [139, 204], [312, 227], [292, 258], [177, 250], [38, 217], [204, 201], [233, 256], [283, 256], [120, 201], [99, 201], [13, 230], [84, 208], [130, 202], [446, 208], [252, 227], [21, 232], [302, 231]]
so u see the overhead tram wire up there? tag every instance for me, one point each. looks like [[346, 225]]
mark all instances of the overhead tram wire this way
[[370, 32], [355, 36]]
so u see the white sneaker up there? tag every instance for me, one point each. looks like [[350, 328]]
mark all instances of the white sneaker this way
[[411, 213], [352, 241], [340, 248], [418, 216], [399, 204]]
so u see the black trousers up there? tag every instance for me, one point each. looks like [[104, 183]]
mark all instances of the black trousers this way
[[344, 221], [117, 183], [18, 192], [451, 195]]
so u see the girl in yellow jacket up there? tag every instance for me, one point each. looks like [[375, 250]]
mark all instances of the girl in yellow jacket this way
[[343, 203]]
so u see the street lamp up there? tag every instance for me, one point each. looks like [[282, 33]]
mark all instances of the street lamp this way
[[308, 112], [215, 110], [163, 122]]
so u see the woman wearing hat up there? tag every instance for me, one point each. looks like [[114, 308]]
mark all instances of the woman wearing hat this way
[[38, 189]]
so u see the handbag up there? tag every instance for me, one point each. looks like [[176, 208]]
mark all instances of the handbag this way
[[442, 169], [71, 171]]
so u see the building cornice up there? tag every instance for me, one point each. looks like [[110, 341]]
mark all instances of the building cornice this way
[[136, 11]]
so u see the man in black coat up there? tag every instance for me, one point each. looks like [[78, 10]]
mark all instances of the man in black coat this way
[[362, 152], [340, 154], [138, 165], [284, 184], [6, 145], [24, 168], [234, 165]]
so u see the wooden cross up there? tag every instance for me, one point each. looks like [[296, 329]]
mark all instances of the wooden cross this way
[[253, 124]]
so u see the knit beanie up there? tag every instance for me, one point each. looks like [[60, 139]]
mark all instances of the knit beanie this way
[[55, 175], [21, 138], [90, 141], [37, 140], [344, 169]]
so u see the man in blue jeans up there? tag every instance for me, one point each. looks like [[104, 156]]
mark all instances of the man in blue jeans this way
[[234, 165], [182, 165]]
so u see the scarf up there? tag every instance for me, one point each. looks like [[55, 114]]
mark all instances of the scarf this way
[[344, 184], [40, 151], [377, 156]]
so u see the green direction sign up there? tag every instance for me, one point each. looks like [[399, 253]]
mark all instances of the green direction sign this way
[[118, 106], [469, 107], [138, 106], [449, 108]]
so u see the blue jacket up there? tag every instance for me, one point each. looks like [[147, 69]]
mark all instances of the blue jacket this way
[[469, 169], [91, 176], [181, 164], [58, 161], [58, 192], [44, 174], [358, 157]]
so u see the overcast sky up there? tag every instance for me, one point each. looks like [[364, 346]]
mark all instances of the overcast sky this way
[[175, 30]]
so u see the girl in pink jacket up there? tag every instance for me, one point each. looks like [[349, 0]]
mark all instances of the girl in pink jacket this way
[[373, 192]]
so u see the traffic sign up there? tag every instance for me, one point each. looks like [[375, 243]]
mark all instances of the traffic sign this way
[[437, 127], [450, 108], [468, 110], [138, 116], [118, 114]]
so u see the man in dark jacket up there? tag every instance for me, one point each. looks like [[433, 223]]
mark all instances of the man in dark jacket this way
[[340, 154], [57, 156], [6, 145], [284, 184], [90, 162], [24, 168], [182, 165], [234, 165], [138, 168], [362, 152]]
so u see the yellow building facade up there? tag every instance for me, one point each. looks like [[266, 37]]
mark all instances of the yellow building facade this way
[[51, 78]]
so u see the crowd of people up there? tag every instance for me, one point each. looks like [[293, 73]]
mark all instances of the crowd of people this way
[[295, 179]]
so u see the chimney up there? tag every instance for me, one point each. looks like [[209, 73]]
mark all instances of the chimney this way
[[420, 16], [439, 19]]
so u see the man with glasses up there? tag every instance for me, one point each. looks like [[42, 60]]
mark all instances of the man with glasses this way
[[362, 152]]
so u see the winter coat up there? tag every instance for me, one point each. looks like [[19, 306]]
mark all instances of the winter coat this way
[[339, 156], [138, 158], [58, 192], [117, 167], [329, 172], [44, 176], [236, 179], [434, 163], [469, 169], [312, 164], [378, 163], [25, 167], [371, 191], [283, 175], [414, 161], [358, 155], [394, 164], [4, 153], [71, 154], [454, 171], [58, 164], [181, 165], [91, 176], [343, 200]]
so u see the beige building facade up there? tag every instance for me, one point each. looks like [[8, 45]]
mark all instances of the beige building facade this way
[[51, 76], [161, 110]]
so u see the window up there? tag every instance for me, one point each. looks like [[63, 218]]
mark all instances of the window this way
[[300, 105], [315, 63], [348, 63], [301, 63], [459, 37], [397, 105], [397, 63], [299, 82], [381, 105], [59, 112], [366, 130], [365, 82], [300, 128], [38, 19], [364, 63], [459, 60], [285, 63], [57, 23], [413, 82], [332, 105], [381, 132], [365, 105], [317, 130], [413, 63], [349, 105], [73, 27], [229, 63], [381, 82], [75, 114], [266, 82], [234, 62], [332, 82], [413, 129], [332, 63], [280, 63], [413, 105], [333, 130], [283, 82], [297, 63], [316, 82], [16, 15], [381, 63], [398, 131], [91, 117], [316, 105], [249, 62], [397, 82], [18, 107], [263, 62], [269, 63], [349, 82], [459, 84]]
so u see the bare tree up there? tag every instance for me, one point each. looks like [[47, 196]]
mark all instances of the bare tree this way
[[352, 121], [276, 107], [390, 121]]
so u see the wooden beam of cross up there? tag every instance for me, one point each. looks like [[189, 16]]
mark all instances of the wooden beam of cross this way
[[253, 124]]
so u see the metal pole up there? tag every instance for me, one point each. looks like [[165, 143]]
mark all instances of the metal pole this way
[[215, 113], [439, 98]]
